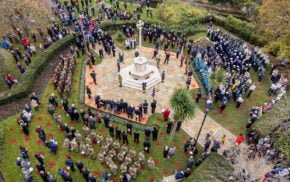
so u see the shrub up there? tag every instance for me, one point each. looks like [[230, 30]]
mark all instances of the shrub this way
[[272, 119], [175, 12], [25, 85], [214, 168], [1, 143]]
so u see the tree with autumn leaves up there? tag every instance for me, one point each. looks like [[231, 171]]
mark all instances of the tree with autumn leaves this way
[[274, 26]]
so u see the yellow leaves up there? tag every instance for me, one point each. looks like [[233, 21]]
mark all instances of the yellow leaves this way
[[174, 12]]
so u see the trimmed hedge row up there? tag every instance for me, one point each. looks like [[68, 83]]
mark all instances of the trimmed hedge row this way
[[195, 25], [214, 168], [271, 120], [123, 121], [25, 85], [240, 28], [1, 144]]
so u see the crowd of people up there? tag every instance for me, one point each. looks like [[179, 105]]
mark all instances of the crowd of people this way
[[62, 76]]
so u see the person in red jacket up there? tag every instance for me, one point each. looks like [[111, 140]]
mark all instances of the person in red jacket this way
[[240, 139], [166, 113], [10, 80]]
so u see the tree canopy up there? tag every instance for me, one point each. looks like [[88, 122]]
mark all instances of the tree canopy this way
[[182, 104]]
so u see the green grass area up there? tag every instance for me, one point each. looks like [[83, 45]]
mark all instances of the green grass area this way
[[13, 137], [234, 119]]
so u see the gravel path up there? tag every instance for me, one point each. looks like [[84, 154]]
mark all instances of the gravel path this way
[[40, 84]]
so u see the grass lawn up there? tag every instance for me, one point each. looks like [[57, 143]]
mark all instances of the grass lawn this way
[[13, 137], [234, 119]]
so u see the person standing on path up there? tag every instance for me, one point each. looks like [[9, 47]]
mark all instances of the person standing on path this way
[[89, 92], [118, 65], [163, 76], [153, 106], [120, 80], [94, 75], [167, 57]]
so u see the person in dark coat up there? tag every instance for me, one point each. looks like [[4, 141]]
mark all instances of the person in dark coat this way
[[165, 152], [179, 123], [94, 75], [111, 130], [129, 128], [80, 165], [118, 133], [44, 176], [89, 91], [154, 134], [168, 126], [107, 121], [85, 172], [153, 106], [40, 167], [69, 163], [39, 158], [125, 138], [145, 106], [136, 137], [147, 146]]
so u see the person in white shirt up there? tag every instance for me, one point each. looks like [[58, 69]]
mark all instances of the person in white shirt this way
[[252, 88], [239, 101]]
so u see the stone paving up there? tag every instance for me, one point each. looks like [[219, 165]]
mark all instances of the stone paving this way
[[108, 87], [108, 84]]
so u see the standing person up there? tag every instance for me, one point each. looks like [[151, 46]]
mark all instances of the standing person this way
[[153, 106], [101, 52], [165, 151], [155, 53], [147, 146], [223, 139], [182, 60], [20, 67], [40, 158], [240, 139], [252, 88], [166, 113], [188, 82], [145, 106], [125, 138], [155, 134], [120, 80], [198, 96], [129, 128], [136, 137], [158, 59], [34, 101], [172, 151], [239, 101], [118, 65], [163, 76], [89, 92], [52, 100], [94, 75], [118, 133], [168, 127], [69, 163], [64, 102], [167, 56]]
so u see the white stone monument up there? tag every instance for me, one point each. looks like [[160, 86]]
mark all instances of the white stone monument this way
[[134, 75]]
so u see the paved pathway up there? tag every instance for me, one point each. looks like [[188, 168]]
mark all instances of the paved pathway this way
[[107, 85]]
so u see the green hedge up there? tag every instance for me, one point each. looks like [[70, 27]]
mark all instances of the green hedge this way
[[214, 168], [25, 84], [240, 28], [1, 144], [272, 119], [195, 25], [124, 121]]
